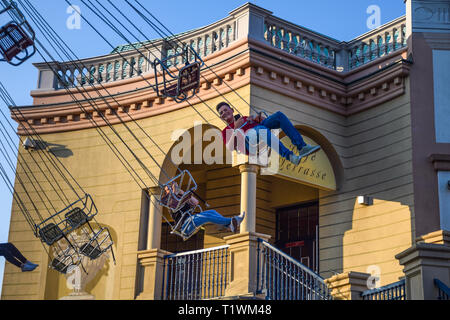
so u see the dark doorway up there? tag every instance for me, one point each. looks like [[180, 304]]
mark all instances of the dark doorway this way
[[297, 233]]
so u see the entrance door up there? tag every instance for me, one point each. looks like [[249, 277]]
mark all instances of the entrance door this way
[[297, 233]]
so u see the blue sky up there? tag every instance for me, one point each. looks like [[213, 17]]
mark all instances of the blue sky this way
[[341, 20]]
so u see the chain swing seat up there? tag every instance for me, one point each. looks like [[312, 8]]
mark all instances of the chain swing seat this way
[[64, 259], [70, 219], [16, 37], [99, 243], [188, 214], [182, 85], [175, 202]]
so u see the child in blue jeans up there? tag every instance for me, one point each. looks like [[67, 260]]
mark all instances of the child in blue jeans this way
[[193, 222]]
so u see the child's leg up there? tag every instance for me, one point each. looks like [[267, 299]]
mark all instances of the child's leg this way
[[279, 121], [263, 133], [199, 219]]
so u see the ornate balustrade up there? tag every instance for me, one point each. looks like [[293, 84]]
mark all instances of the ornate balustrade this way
[[132, 60], [301, 42], [377, 43]]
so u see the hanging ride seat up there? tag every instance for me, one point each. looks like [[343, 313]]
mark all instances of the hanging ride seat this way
[[16, 37], [64, 259], [180, 85], [172, 197], [76, 218], [50, 233], [185, 213], [67, 220], [100, 242]]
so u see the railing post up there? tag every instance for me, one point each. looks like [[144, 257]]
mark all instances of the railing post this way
[[243, 263], [425, 261], [348, 286], [152, 263], [250, 21]]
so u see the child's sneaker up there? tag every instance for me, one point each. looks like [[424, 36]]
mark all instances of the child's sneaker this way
[[307, 150]]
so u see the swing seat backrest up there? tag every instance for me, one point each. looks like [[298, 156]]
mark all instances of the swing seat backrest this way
[[13, 41], [189, 78]]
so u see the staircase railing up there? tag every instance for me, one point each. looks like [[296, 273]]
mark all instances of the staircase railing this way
[[280, 277], [443, 290]]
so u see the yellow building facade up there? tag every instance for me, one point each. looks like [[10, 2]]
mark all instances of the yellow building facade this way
[[357, 100]]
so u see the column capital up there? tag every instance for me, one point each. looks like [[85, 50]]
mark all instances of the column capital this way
[[248, 168]]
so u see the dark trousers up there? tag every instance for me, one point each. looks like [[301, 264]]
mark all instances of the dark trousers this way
[[12, 254]]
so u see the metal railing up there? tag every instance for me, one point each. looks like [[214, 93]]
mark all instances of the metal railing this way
[[393, 291], [443, 290], [280, 277], [195, 275]]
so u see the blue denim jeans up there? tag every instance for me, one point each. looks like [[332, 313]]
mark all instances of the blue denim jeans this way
[[199, 219], [276, 121], [12, 254]]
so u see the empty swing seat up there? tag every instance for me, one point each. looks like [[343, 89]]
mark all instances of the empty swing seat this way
[[50, 233], [98, 244], [64, 260], [188, 79], [182, 84], [60, 265], [76, 218], [90, 251], [13, 41]]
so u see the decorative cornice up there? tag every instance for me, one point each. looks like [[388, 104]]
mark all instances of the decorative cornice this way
[[247, 61]]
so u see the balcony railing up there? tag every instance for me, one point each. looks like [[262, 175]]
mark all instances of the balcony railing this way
[[132, 60], [280, 277], [393, 291], [301, 42], [378, 43], [196, 275]]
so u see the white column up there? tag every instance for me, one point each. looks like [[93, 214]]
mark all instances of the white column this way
[[248, 196], [154, 220]]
